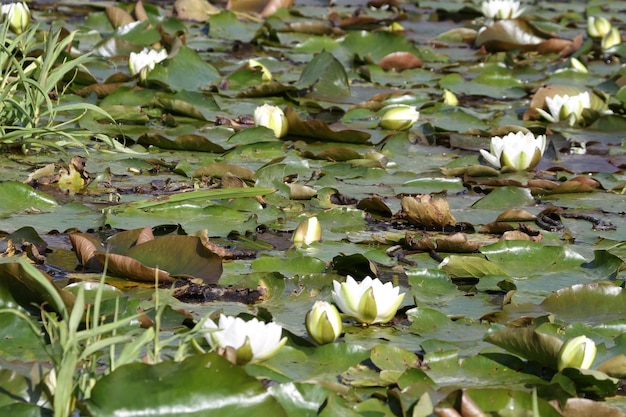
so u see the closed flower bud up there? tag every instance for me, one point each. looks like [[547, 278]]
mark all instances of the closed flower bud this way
[[449, 98], [308, 231], [266, 75], [611, 39], [516, 151], [143, 62], [18, 15], [242, 341], [323, 322], [369, 301], [273, 118], [578, 352], [598, 27], [399, 117]]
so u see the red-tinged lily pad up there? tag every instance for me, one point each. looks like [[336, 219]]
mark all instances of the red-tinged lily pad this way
[[508, 34], [400, 61], [318, 130], [139, 256]]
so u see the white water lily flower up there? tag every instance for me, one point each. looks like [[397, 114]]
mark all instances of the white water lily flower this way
[[273, 118], [598, 27], [143, 62], [563, 107], [253, 340], [369, 301], [516, 150], [501, 9], [399, 117], [323, 322], [578, 352], [18, 15]]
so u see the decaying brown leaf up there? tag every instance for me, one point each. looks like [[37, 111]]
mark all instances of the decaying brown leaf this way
[[457, 243], [400, 61], [424, 211], [262, 7], [118, 16], [194, 10]]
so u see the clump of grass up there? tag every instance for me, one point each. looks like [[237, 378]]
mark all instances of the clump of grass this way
[[34, 76]]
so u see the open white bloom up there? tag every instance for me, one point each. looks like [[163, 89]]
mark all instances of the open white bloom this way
[[516, 150], [501, 9], [253, 340], [598, 27], [399, 117], [18, 15], [143, 62], [578, 352], [564, 107], [125, 29], [369, 301], [308, 231], [273, 118], [323, 322]]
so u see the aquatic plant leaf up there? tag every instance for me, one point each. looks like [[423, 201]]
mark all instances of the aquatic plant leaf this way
[[528, 344], [194, 387], [318, 130], [184, 71], [324, 77], [17, 196]]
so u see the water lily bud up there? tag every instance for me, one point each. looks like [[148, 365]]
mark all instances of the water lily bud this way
[[516, 151], [578, 352], [242, 341], [273, 118], [323, 322], [449, 98], [266, 75], [18, 15], [598, 27], [399, 117], [143, 62], [308, 231], [611, 39], [578, 66], [369, 301]]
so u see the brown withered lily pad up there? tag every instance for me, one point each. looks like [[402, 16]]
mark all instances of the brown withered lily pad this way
[[164, 258], [400, 61], [509, 34], [319, 130], [424, 211]]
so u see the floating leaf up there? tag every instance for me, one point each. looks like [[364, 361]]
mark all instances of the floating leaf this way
[[194, 387], [529, 344], [318, 130]]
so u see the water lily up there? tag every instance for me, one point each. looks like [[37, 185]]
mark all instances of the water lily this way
[[566, 107], [578, 352], [399, 117], [143, 62], [266, 75], [323, 322], [308, 231], [18, 15], [501, 9], [611, 39], [598, 27], [369, 301], [250, 341], [273, 118], [519, 151]]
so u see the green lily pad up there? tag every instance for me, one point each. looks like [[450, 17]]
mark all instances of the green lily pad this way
[[194, 387]]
